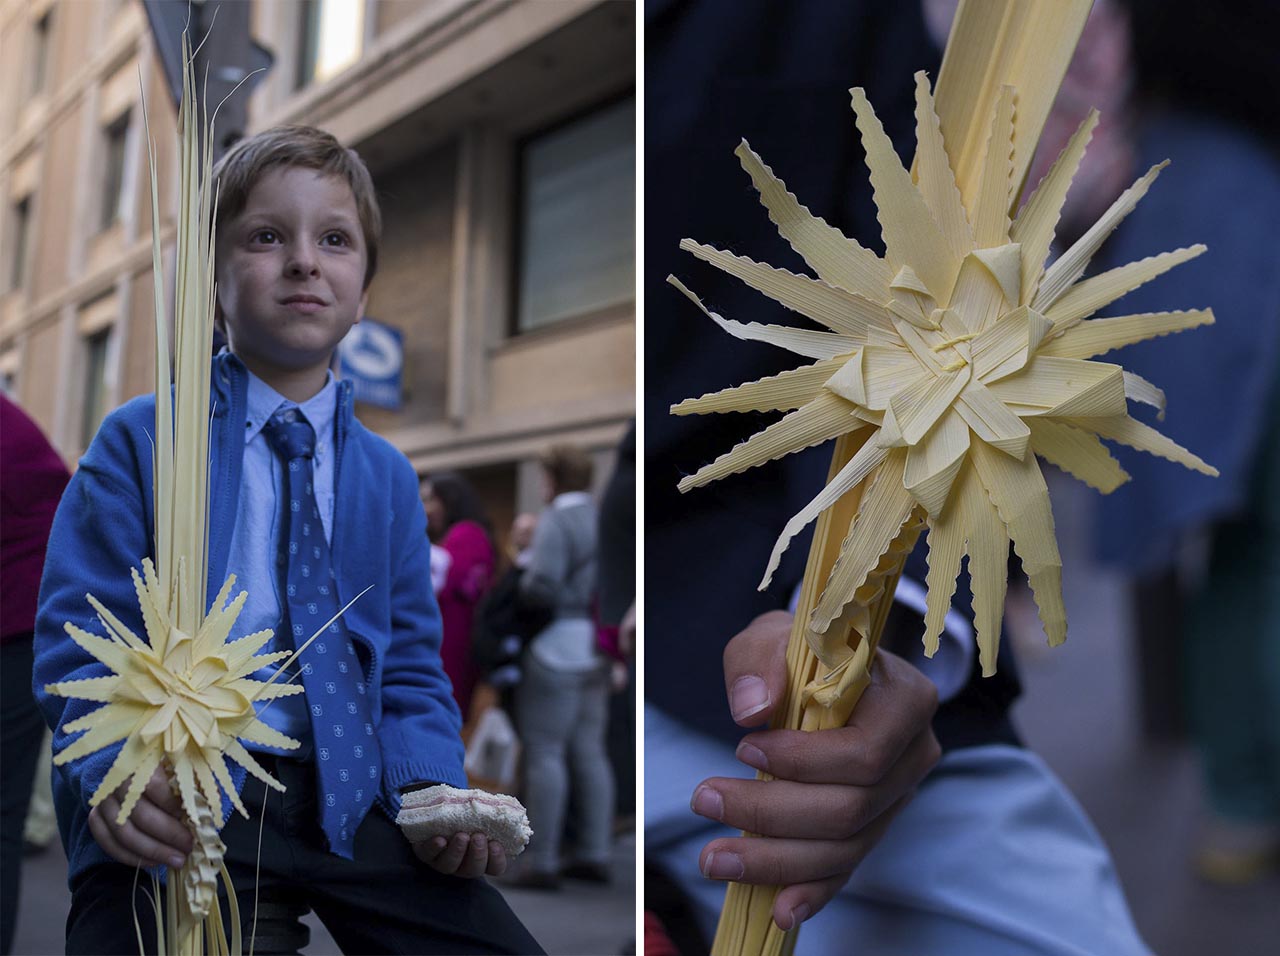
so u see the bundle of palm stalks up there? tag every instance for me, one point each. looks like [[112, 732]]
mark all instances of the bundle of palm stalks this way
[[182, 700], [948, 365]]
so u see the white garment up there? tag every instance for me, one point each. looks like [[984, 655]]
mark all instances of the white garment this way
[[441, 560]]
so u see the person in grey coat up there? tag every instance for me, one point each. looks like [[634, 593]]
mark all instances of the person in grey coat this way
[[561, 705]]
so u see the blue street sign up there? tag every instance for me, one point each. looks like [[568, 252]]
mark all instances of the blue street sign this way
[[371, 357]]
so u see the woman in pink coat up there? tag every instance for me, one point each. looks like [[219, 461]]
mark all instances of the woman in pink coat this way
[[462, 561]]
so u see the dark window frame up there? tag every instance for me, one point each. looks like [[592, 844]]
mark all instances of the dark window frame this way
[[518, 194], [21, 241], [308, 43], [116, 145], [41, 49], [93, 408]]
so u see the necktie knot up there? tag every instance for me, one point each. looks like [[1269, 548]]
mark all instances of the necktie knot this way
[[290, 434]]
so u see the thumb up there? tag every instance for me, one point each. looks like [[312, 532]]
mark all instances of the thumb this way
[[755, 668]]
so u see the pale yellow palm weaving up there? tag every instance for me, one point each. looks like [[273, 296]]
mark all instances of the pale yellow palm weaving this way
[[961, 357], [183, 698], [943, 369]]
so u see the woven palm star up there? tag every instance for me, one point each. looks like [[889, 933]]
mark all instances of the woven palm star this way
[[961, 357], [184, 699]]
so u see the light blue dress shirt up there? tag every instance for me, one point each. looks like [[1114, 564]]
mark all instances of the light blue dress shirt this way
[[255, 538]]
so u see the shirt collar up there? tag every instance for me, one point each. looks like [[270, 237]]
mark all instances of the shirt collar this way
[[264, 401], [567, 499]]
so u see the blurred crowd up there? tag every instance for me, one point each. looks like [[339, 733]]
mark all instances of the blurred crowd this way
[[539, 633]]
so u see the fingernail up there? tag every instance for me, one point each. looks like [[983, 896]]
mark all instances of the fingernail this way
[[752, 756], [708, 803], [798, 915], [439, 843], [749, 695], [722, 865], [176, 861], [478, 840]]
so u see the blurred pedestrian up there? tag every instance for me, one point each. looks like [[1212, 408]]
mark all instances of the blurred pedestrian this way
[[618, 611], [32, 478], [520, 541], [562, 700], [1234, 660], [41, 829], [504, 624], [461, 571]]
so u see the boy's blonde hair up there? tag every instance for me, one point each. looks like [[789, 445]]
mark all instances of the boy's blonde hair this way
[[308, 148]]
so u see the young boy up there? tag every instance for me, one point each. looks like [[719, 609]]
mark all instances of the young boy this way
[[297, 241]]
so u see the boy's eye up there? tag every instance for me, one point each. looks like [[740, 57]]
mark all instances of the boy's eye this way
[[336, 239], [265, 235]]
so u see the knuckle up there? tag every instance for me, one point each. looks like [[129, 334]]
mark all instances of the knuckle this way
[[933, 751], [774, 621], [914, 684], [919, 688], [851, 855], [851, 815], [928, 693], [872, 760]]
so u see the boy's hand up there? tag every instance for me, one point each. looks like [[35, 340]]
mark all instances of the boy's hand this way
[[154, 834], [835, 791], [465, 854]]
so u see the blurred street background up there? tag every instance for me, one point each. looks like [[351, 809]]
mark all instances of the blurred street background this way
[[1081, 711]]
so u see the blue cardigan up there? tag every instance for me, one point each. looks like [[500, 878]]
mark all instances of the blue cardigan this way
[[105, 526]]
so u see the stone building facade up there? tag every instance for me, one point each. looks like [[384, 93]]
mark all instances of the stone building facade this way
[[501, 139]]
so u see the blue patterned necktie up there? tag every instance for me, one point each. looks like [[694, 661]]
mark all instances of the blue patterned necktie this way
[[348, 764]]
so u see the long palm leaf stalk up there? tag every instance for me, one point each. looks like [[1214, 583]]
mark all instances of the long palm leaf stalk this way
[[948, 366], [183, 699]]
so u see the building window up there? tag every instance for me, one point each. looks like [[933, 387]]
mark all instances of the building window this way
[[116, 138], [40, 46], [97, 347], [577, 226], [21, 241], [331, 34]]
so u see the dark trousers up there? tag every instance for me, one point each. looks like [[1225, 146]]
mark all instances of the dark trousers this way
[[383, 901], [23, 730]]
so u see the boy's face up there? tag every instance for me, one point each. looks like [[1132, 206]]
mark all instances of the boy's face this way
[[290, 269]]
